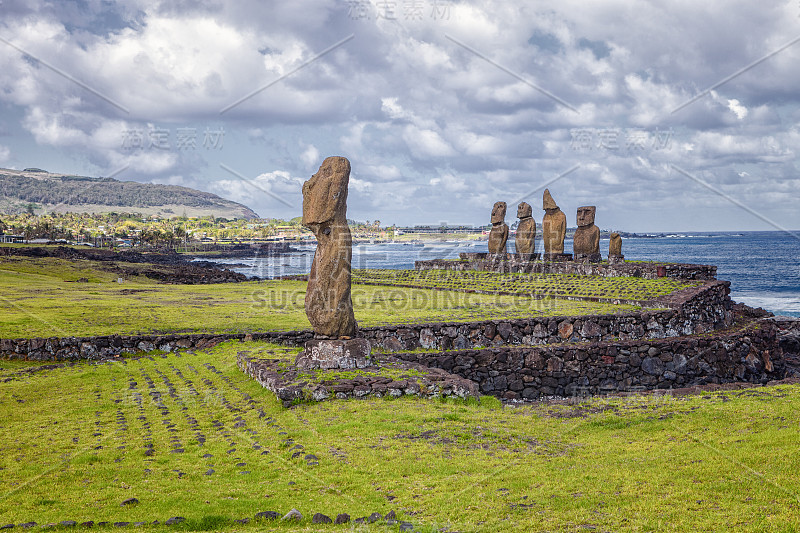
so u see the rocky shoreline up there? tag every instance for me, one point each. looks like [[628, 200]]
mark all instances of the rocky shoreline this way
[[169, 268]]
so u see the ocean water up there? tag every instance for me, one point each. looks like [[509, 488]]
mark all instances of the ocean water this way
[[763, 267]]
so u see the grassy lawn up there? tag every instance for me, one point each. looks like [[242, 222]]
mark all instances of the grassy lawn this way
[[74, 441], [553, 285], [42, 298]]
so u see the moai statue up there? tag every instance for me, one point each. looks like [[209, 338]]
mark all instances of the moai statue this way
[[329, 305], [499, 233], [615, 249], [554, 226], [525, 241], [586, 241]]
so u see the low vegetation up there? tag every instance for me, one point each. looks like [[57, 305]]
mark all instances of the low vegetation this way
[[551, 285], [188, 434], [75, 441], [45, 298], [174, 229]]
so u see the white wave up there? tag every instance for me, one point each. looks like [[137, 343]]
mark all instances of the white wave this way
[[775, 304]]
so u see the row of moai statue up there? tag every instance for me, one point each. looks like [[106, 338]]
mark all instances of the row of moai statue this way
[[585, 242]]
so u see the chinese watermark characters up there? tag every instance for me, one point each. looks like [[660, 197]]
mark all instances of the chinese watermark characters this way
[[408, 10], [611, 139], [161, 139]]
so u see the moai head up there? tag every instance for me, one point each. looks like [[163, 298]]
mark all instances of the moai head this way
[[586, 215], [325, 194], [548, 204], [499, 213], [524, 210]]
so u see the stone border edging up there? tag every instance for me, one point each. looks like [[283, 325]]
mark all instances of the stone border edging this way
[[288, 387], [294, 515]]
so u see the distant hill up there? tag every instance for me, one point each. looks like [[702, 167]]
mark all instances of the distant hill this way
[[61, 193]]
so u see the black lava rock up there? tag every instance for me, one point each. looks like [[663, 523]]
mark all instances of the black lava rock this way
[[320, 518]]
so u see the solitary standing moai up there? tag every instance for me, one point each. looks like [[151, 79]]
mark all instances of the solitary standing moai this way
[[615, 249], [525, 241], [554, 226], [329, 305], [586, 241], [499, 233]]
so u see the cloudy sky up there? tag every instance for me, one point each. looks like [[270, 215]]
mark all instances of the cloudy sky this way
[[670, 118]]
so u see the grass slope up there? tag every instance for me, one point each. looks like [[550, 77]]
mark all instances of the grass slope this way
[[41, 298], [73, 445]]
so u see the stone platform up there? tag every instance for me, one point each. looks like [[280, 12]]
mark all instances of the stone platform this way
[[385, 376], [563, 264], [751, 351]]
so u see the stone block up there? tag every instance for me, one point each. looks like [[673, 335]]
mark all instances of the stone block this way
[[556, 258], [334, 353]]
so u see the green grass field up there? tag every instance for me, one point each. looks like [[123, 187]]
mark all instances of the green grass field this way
[[41, 298], [190, 435], [73, 445], [548, 285]]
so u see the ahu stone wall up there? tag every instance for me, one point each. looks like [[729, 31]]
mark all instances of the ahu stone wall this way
[[751, 354], [692, 311], [100, 347], [625, 268], [695, 310]]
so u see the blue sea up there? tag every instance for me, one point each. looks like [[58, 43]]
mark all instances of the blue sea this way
[[763, 267]]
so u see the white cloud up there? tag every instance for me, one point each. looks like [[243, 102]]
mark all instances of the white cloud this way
[[5, 153], [420, 116], [425, 143], [449, 183], [270, 189], [738, 109], [310, 157]]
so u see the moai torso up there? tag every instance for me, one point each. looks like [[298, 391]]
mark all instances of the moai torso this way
[[615, 244], [525, 241], [499, 232], [586, 240], [554, 225]]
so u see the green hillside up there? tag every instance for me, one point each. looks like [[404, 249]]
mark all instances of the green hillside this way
[[48, 192]]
